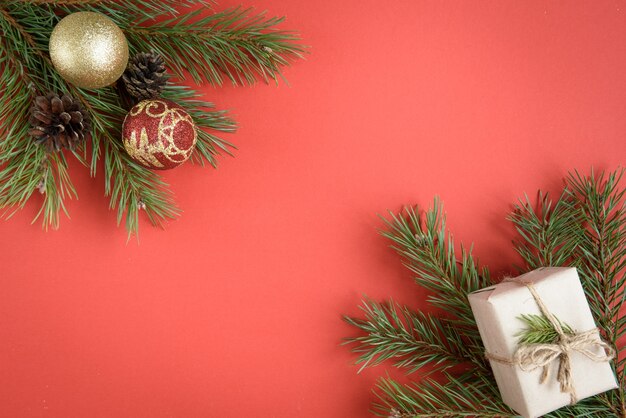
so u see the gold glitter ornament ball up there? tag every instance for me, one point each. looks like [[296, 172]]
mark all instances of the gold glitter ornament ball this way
[[89, 50]]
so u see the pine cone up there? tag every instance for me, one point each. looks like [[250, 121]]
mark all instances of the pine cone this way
[[59, 122], [145, 76]]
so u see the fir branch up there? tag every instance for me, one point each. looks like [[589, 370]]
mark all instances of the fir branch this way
[[548, 231], [64, 2], [17, 94], [130, 11], [21, 175], [414, 339], [539, 330], [234, 43], [594, 407], [428, 249], [601, 254], [585, 228], [601, 257], [430, 399], [467, 396], [54, 184], [24, 166], [132, 188]]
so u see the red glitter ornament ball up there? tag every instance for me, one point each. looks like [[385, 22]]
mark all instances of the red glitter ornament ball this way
[[159, 134]]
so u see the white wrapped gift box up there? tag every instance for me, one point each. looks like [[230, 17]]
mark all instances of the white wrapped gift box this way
[[497, 310]]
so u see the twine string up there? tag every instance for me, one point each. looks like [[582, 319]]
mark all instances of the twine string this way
[[529, 357]]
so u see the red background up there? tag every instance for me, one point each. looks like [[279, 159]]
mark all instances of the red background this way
[[234, 310]]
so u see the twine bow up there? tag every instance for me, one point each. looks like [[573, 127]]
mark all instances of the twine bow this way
[[529, 357]]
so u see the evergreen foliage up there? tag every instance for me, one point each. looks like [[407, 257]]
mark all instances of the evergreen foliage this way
[[585, 227], [539, 330], [197, 43]]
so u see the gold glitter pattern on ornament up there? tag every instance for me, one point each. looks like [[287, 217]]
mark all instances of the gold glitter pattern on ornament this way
[[143, 150], [88, 50]]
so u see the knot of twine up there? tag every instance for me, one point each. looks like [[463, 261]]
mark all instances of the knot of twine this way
[[529, 357]]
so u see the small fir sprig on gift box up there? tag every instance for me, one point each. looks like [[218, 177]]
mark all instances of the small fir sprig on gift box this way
[[585, 227], [538, 330], [195, 43]]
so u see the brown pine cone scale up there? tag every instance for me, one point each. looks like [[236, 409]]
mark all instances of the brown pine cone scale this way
[[59, 122], [145, 76]]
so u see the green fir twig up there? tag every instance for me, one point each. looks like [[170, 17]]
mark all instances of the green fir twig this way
[[412, 339], [538, 330]]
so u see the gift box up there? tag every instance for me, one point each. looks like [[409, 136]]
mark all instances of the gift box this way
[[520, 373]]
